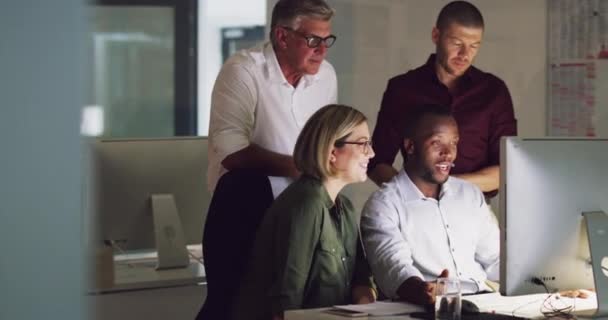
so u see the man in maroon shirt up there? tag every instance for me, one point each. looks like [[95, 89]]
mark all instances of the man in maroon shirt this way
[[480, 102]]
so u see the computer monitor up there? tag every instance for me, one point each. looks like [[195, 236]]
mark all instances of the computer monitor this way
[[546, 186], [151, 194]]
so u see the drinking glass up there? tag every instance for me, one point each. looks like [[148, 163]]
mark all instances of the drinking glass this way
[[448, 299]]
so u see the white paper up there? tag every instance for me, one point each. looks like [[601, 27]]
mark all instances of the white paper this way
[[383, 308], [527, 306]]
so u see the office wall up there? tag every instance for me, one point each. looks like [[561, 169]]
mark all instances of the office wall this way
[[378, 39], [213, 15], [40, 167]]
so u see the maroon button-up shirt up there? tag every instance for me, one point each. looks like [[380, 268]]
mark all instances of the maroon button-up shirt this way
[[482, 108]]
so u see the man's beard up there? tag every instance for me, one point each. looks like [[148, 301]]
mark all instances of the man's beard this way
[[427, 175]]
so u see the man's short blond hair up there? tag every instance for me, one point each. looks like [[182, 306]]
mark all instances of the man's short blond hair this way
[[326, 126]]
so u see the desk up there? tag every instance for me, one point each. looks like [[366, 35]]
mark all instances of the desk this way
[[175, 303], [137, 270], [141, 292], [319, 314], [528, 306]]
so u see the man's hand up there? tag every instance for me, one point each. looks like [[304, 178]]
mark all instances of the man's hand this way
[[580, 293], [418, 291], [363, 294], [267, 162]]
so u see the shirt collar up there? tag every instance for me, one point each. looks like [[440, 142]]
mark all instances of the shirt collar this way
[[472, 74], [273, 69], [412, 193], [325, 198], [274, 72]]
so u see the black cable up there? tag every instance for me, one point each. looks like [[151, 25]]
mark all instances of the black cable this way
[[537, 281], [564, 312]]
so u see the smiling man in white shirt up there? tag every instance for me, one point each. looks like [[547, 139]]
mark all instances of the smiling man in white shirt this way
[[423, 223], [263, 96]]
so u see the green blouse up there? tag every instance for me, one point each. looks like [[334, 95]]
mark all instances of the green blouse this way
[[307, 254]]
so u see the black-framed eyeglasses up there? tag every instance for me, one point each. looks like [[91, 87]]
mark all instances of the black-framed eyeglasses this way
[[313, 41], [367, 145]]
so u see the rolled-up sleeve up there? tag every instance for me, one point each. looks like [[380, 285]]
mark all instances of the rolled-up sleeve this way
[[388, 252], [233, 103]]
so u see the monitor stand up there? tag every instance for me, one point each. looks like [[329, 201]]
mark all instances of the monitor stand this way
[[597, 231], [170, 241]]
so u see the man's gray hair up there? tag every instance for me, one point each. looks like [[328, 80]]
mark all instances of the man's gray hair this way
[[289, 13]]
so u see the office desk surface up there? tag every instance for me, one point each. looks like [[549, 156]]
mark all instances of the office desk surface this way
[[176, 303], [528, 306], [137, 270], [320, 314]]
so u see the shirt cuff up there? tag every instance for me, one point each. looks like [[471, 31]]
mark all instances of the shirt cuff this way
[[470, 286], [225, 144], [474, 286], [393, 284]]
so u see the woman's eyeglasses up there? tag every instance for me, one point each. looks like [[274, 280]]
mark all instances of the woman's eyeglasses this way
[[367, 145]]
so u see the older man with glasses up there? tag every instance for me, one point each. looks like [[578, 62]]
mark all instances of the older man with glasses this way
[[262, 98], [264, 95]]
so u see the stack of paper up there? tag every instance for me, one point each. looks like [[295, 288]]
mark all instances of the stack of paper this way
[[383, 308]]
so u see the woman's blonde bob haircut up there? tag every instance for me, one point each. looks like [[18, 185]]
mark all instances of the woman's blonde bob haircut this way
[[326, 126]]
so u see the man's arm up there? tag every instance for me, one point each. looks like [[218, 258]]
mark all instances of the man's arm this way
[[388, 252], [266, 161], [232, 118], [503, 123], [388, 136], [487, 179]]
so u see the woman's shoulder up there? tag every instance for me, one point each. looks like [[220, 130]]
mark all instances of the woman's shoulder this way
[[305, 194], [346, 203]]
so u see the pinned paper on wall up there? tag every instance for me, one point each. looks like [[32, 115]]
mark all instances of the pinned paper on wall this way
[[578, 51]]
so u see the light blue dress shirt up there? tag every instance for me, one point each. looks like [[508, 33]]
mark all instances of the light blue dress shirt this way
[[407, 234]]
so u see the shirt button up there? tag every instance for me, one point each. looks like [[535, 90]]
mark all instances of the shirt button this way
[[459, 273], [343, 259], [447, 226], [453, 250]]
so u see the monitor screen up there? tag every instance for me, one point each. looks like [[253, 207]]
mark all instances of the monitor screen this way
[[130, 173], [546, 185]]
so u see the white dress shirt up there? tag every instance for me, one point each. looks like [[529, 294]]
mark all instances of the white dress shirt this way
[[407, 234], [252, 102]]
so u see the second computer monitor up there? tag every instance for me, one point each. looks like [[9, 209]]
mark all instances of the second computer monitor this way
[[139, 186], [546, 185]]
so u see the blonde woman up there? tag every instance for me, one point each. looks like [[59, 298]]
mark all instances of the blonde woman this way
[[308, 252]]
